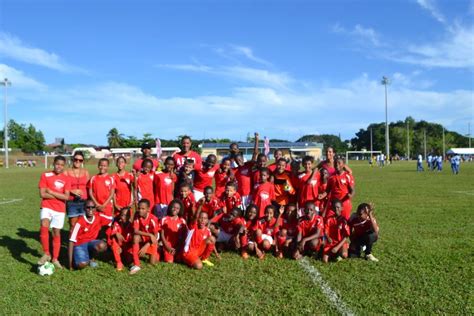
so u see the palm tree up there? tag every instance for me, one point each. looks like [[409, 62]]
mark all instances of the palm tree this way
[[114, 138]]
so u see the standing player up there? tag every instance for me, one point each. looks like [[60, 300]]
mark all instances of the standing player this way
[[277, 155], [222, 176], [341, 187], [144, 183], [164, 182], [173, 229], [187, 198], [337, 233], [283, 183], [146, 154], [146, 228], [102, 189], [243, 176], [204, 176], [322, 201], [185, 175], [186, 153], [123, 186], [83, 242], [79, 176], [264, 193], [54, 187], [308, 181]]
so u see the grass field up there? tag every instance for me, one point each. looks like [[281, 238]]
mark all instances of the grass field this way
[[425, 251]]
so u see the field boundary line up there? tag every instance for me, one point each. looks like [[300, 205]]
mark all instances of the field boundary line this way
[[10, 201], [464, 192], [331, 295]]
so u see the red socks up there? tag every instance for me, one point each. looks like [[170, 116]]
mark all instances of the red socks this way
[[56, 247], [44, 238], [136, 259], [207, 251], [116, 252]]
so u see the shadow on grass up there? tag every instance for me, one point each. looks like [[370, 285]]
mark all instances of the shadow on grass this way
[[18, 248]]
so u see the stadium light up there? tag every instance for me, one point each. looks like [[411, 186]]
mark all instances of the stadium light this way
[[5, 83], [385, 81]]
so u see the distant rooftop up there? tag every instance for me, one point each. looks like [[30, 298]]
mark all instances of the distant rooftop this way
[[275, 145]]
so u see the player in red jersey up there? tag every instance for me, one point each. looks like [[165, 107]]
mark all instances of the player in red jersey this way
[[83, 242], [187, 198], [229, 230], [260, 163], [173, 231], [249, 244], [264, 193], [54, 187], [199, 243], [222, 176], [322, 201], [204, 176], [146, 228], [307, 184], [186, 153], [121, 238], [341, 187], [277, 155], [231, 198], [102, 189], [310, 232], [146, 154], [364, 232], [243, 176], [210, 204], [164, 182], [283, 184], [337, 233], [123, 186], [288, 232], [144, 183], [268, 228]]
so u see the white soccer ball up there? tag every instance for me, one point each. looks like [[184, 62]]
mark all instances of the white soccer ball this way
[[46, 269]]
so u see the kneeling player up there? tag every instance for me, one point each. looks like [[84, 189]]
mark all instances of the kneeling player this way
[[337, 234], [365, 231], [310, 232], [83, 243], [145, 236], [199, 243], [249, 244], [288, 232], [268, 228], [173, 228], [229, 230], [121, 238]]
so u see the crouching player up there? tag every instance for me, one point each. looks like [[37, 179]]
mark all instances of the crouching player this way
[[268, 228], [173, 228], [310, 232], [337, 233], [145, 236], [229, 230], [199, 243], [121, 238], [251, 226], [288, 232], [364, 232], [83, 242]]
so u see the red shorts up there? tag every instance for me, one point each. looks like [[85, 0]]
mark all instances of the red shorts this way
[[328, 248], [190, 258]]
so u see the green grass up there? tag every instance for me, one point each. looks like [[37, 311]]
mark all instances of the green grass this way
[[425, 251]]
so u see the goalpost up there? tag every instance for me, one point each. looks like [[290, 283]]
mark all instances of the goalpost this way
[[52, 156], [364, 152]]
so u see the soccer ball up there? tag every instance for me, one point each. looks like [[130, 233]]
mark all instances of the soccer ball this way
[[46, 269]]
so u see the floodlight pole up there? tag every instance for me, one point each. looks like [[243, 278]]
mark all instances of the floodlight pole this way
[[5, 83], [408, 140], [424, 141], [371, 143], [385, 81], [469, 133], [444, 144]]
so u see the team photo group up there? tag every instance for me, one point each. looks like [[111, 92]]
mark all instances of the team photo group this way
[[187, 209]]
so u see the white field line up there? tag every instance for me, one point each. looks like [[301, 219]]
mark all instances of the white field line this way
[[464, 192], [10, 201], [331, 295]]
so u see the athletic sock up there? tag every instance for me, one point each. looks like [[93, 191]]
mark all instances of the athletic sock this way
[[56, 247], [44, 238]]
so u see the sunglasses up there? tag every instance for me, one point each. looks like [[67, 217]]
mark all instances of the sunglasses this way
[[90, 207], [78, 160]]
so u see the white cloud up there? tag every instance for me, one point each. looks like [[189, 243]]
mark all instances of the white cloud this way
[[19, 79], [430, 6], [12, 47], [359, 32], [248, 53]]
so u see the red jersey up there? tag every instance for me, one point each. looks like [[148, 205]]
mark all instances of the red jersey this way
[[203, 177], [137, 166], [102, 186], [209, 207], [231, 201], [243, 175], [123, 189], [251, 227], [173, 227], [291, 227], [268, 227], [85, 230], [79, 183], [263, 196], [322, 203], [360, 227], [123, 228], [273, 167], [58, 183], [307, 192], [337, 229], [145, 187], [149, 224], [164, 187], [195, 238], [221, 180], [180, 159], [231, 227], [308, 227], [338, 185], [189, 204]]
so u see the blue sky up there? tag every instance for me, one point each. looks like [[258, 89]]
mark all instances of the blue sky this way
[[225, 68]]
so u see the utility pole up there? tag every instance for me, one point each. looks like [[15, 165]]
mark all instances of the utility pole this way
[[469, 133], [424, 141], [408, 140], [371, 147], [5, 83], [385, 81]]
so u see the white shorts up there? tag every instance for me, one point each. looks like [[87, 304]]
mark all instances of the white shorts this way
[[246, 199], [56, 219], [161, 210], [268, 238], [198, 195], [223, 236]]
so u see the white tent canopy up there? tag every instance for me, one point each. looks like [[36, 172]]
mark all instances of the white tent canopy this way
[[461, 151]]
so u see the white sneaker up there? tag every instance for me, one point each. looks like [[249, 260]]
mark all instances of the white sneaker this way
[[57, 264], [45, 258], [134, 269], [364, 247], [371, 257]]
